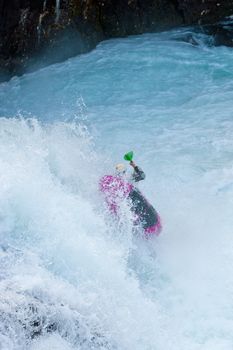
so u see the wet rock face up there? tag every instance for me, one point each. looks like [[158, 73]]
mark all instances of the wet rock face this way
[[121, 17], [46, 31], [205, 11], [222, 34]]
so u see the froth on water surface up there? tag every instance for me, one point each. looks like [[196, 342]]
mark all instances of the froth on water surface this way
[[71, 276]]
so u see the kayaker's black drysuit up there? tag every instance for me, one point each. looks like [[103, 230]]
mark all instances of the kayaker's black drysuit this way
[[140, 206], [138, 174]]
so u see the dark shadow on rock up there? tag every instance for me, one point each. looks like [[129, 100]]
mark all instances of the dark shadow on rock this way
[[222, 33]]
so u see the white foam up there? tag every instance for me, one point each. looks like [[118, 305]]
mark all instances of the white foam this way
[[60, 245]]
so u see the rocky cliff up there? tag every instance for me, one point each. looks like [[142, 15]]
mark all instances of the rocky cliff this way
[[35, 32]]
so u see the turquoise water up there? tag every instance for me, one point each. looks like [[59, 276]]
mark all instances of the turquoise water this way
[[63, 127]]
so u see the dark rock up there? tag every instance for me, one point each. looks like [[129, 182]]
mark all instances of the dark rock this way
[[121, 18], [222, 34], [205, 11]]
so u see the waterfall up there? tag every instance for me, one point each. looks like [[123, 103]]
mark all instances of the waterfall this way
[[57, 10], [23, 17], [44, 5], [39, 28]]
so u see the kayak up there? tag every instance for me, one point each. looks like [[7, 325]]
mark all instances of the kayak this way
[[115, 189]]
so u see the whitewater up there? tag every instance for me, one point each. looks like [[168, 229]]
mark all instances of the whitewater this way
[[71, 277]]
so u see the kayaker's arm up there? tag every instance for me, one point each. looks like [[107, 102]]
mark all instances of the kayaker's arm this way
[[138, 174]]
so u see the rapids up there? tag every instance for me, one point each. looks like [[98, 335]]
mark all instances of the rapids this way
[[71, 278]]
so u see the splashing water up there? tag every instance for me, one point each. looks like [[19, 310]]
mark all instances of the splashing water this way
[[39, 28], [72, 277]]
